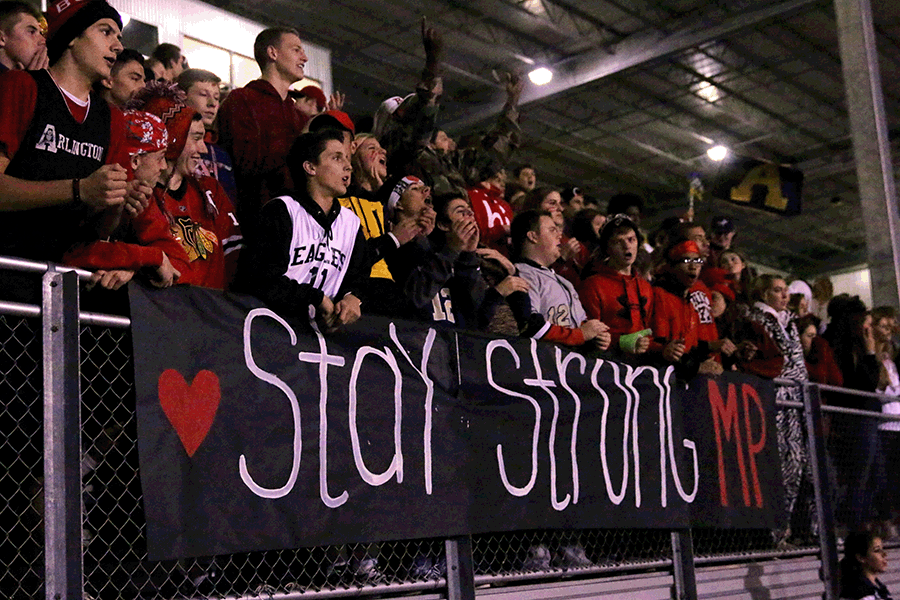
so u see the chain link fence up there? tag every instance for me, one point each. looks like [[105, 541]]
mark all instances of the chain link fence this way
[[863, 452], [115, 558], [521, 553], [860, 448], [21, 458]]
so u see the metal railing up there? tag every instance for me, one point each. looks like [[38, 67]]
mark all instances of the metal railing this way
[[72, 524]]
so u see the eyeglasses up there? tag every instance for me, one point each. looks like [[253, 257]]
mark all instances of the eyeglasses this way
[[690, 261]]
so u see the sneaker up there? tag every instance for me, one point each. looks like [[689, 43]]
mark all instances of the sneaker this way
[[538, 559], [572, 557], [367, 572]]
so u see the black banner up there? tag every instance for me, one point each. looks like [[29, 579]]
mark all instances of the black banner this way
[[256, 434]]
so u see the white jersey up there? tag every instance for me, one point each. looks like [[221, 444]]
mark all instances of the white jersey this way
[[319, 257], [552, 296]]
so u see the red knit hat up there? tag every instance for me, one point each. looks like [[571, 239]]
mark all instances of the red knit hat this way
[[144, 133], [167, 101], [67, 19]]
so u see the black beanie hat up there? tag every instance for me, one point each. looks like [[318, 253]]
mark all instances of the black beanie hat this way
[[68, 19]]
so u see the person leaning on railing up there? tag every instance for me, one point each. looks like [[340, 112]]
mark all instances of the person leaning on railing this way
[[62, 173], [779, 353]]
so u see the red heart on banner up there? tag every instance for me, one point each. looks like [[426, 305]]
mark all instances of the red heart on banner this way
[[192, 408]]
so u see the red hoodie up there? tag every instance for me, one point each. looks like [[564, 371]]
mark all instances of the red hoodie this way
[[257, 128], [674, 317], [493, 215], [151, 236], [623, 302]]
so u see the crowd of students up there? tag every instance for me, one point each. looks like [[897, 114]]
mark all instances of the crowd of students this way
[[130, 167]]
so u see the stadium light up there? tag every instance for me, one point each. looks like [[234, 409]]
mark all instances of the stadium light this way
[[717, 153], [541, 76]]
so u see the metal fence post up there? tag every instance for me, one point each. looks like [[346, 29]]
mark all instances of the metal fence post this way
[[62, 437], [460, 569], [812, 409], [683, 565]]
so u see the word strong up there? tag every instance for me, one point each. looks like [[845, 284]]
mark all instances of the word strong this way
[[565, 383], [742, 424]]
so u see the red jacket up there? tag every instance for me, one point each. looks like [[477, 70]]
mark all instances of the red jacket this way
[[257, 128], [151, 234], [623, 302], [674, 318], [493, 215], [768, 361], [203, 222]]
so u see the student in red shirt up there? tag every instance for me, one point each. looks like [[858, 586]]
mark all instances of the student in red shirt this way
[[700, 295], [144, 243], [258, 123], [492, 212], [200, 214], [675, 323], [616, 294]]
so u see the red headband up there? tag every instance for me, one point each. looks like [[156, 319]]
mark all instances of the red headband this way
[[685, 247]]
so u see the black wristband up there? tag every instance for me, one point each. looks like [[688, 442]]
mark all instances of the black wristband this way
[[76, 191]]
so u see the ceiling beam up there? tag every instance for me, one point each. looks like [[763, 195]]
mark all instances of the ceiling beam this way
[[633, 51]]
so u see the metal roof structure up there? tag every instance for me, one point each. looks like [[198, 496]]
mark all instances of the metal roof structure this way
[[641, 90]]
